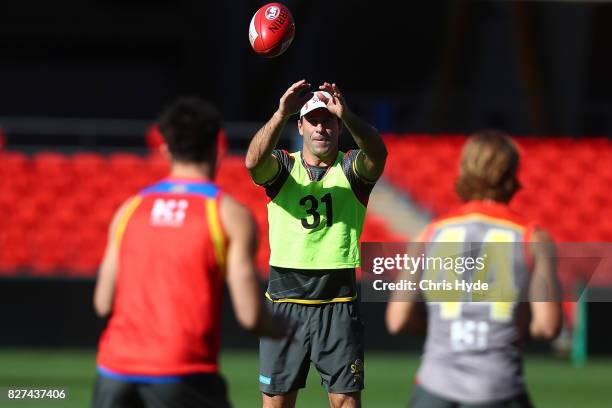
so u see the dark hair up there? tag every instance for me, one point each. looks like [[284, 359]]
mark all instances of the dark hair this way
[[190, 127], [489, 163]]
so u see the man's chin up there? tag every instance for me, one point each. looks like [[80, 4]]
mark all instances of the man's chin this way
[[324, 153]]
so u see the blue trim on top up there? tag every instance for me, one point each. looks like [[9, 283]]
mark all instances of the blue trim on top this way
[[182, 187], [142, 379]]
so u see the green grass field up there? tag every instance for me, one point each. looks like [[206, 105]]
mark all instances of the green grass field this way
[[552, 382]]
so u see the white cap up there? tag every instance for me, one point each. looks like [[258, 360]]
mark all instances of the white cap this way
[[317, 101]]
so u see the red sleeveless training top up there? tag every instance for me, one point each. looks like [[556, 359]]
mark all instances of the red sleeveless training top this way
[[166, 314]]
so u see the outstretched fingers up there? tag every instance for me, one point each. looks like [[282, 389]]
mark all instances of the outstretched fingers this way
[[336, 92], [298, 89], [299, 86], [294, 97], [327, 87], [333, 90]]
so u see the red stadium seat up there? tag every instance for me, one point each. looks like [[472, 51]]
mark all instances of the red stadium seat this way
[[125, 164], [12, 162], [13, 259], [54, 170], [51, 162], [14, 254], [88, 164], [19, 182], [100, 184], [85, 264]]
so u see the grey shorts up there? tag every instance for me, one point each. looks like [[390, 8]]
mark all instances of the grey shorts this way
[[421, 398], [328, 335]]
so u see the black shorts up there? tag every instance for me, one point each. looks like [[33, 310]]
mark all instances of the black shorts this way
[[328, 335], [421, 398], [199, 390]]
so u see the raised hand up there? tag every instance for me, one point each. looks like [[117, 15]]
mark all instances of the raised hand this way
[[292, 101], [337, 104]]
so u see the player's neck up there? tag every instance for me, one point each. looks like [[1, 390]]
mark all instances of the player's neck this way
[[491, 202], [200, 171], [312, 160]]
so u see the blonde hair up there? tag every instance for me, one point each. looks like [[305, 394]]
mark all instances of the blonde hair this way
[[489, 163]]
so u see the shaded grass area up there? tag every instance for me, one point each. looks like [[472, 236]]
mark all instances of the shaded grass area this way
[[552, 382]]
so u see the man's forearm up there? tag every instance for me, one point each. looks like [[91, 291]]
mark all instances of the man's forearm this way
[[366, 137], [265, 140]]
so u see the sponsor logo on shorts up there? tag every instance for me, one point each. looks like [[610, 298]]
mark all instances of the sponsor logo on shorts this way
[[265, 380], [357, 370]]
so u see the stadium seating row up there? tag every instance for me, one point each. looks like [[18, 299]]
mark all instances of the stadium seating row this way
[[565, 182], [57, 207]]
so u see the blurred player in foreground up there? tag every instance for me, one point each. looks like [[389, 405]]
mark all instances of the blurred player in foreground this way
[[473, 350], [318, 200], [170, 248]]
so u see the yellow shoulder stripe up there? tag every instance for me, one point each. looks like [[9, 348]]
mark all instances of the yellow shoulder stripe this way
[[129, 209], [216, 232]]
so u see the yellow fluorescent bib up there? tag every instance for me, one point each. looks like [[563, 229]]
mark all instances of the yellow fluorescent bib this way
[[315, 224]]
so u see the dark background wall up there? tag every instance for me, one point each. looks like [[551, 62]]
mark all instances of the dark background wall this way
[[41, 312], [443, 66]]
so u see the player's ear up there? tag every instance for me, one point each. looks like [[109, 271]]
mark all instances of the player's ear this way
[[299, 126]]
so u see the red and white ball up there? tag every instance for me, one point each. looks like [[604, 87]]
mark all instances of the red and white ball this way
[[271, 30]]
